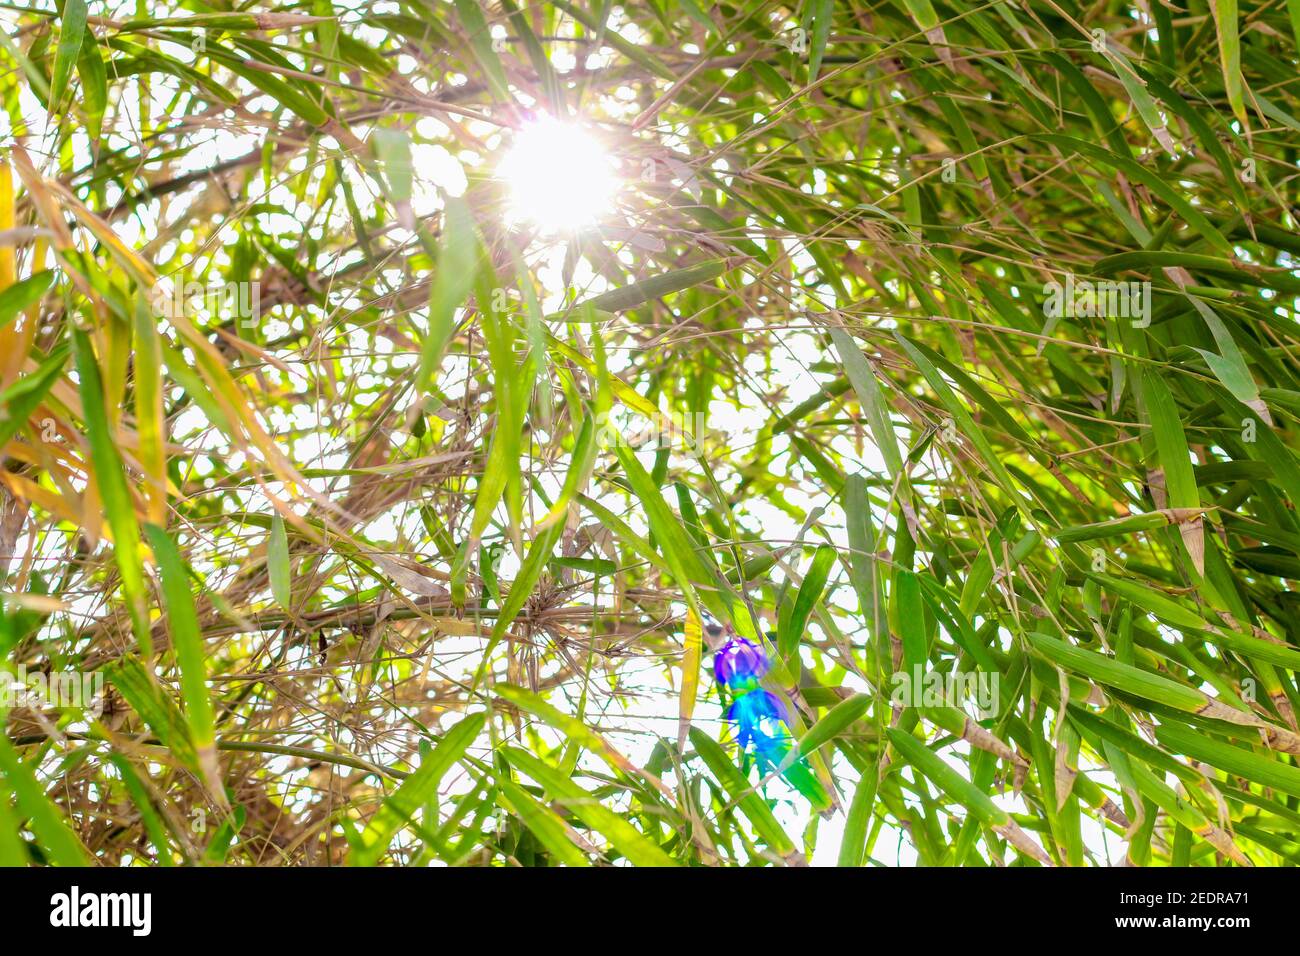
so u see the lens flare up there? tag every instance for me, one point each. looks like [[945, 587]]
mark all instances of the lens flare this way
[[560, 177], [761, 719]]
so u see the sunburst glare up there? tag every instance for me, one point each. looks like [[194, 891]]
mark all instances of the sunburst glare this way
[[559, 176]]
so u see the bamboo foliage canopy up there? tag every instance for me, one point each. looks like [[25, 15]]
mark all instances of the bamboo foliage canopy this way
[[401, 403]]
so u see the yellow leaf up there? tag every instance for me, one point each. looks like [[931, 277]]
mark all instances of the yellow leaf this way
[[7, 273], [690, 676], [9, 335], [28, 490], [149, 415]]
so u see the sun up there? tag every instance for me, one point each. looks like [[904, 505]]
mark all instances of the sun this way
[[559, 176]]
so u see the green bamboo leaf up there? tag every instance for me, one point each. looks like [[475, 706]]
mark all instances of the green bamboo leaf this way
[[94, 87], [195, 388], [551, 82], [1186, 813], [1225, 22], [140, 689], [454, 276], [1268, 772], [219, 847], [187, 641], [922, 11], [480, 41], [224, 22], [838, 719], [867, 387], [864, 571], [952, 783], [72, 31], [1130, 524], [416, 790], [619, 528], [120, 509], [583, 462], [792, 628], [823, 12], [1229, 367], [521, 588], [1154, 182], [696, 13], [545, 824], [300, 98], [1143, 101], [738, 788], [45, 819], [393, 150], [1170, 443], [907, 604], [1103, 732], [630, 842], [1125, 677], [647, 290], [631, 50], [13, 849], [20, 400], [854, 841], [21, 296], [1151, 600], [152, 822], [991, 460], [696, 579], [573, 729], [277, 563]]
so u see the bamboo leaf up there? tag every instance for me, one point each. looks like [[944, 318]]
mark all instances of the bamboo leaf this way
[[765, 823], [111, 482], [691, 659], [1225, 22], [187, 641], [454, 276], [647, 290], [415, 791], [72, 31], [21, 296], [626, 839], [45, 819], [480, 41], [547, 826], [810, 593], [277, 563]]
